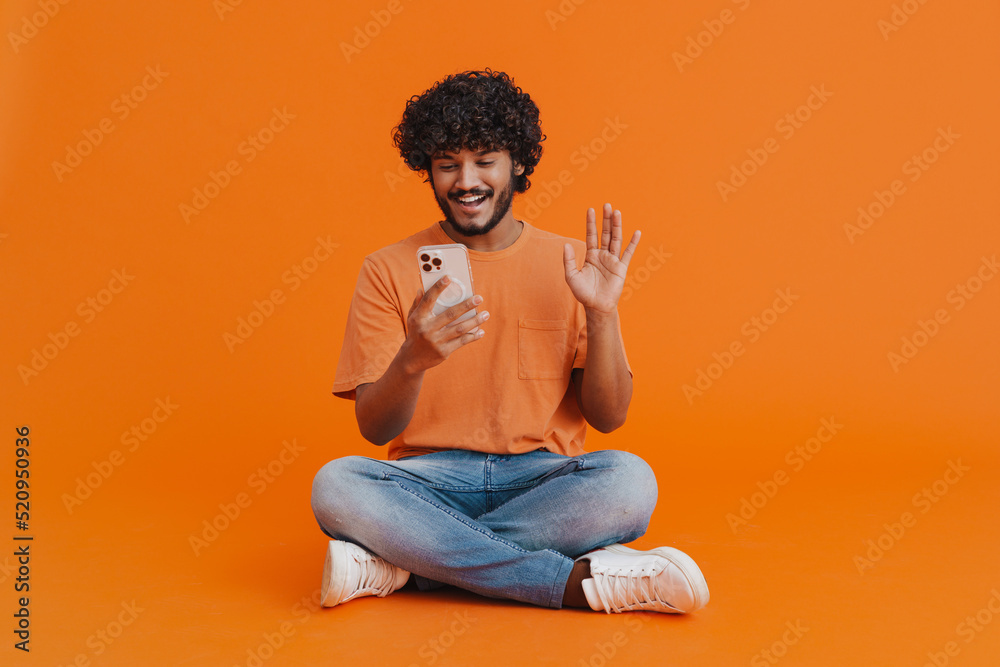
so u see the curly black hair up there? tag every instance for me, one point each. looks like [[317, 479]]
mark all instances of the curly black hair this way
[[476, 110]]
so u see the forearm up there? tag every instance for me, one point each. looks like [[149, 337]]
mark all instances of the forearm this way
[[385, 407], [606, 389]]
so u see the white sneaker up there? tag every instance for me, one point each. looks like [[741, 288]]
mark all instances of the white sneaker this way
[[351, 572], [662, 579]]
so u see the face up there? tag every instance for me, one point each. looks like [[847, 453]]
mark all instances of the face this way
[[474, 189]]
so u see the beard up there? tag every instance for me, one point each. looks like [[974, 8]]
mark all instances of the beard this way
[[501, 207]]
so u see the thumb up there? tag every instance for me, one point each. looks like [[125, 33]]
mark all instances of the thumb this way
[[416, 302], [569, 261]]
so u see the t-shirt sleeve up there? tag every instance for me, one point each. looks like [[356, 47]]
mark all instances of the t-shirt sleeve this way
[[374, 332], [580, 360]]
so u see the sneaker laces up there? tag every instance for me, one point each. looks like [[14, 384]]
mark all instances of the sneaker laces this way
[[631, 588], [376, 575]]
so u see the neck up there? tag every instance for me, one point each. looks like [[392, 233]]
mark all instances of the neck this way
[[498, 238]]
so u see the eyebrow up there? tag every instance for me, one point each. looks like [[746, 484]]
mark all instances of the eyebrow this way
[[450, 156]]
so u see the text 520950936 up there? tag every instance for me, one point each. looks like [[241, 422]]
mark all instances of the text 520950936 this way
[[22, 544]]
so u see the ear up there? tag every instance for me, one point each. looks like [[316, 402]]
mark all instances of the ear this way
[[518, 169]]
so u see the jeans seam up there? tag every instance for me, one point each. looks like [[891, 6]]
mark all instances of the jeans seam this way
[[487, 479], [532, 487], [512, 485], [461, 518], [559, 585], [441, 487]]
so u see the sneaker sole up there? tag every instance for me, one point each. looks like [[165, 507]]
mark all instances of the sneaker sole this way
[[333, 587], [684, 563]]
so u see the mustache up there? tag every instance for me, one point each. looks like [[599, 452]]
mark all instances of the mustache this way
[[466, 193]]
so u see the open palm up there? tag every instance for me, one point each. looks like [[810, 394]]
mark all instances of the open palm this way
[[598, 284]]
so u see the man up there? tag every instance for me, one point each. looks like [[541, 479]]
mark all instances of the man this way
[[487, 486]]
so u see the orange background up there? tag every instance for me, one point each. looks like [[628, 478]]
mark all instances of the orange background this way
[[331, 172]]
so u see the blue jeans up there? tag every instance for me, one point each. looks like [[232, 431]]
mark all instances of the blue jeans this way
[[502, 526]]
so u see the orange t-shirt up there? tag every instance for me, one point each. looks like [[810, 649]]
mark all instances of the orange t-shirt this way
[[508, 392]]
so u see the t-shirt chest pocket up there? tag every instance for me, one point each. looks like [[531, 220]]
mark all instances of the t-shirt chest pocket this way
[[544, 349]]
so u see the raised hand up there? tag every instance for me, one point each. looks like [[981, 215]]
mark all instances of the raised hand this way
[[598, 285]]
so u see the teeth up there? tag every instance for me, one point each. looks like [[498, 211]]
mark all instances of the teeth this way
[[471, 199]]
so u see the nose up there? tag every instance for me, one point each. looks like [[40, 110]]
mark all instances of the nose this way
[[468, 177]]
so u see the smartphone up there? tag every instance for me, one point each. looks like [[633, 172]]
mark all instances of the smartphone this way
[[451, 259]]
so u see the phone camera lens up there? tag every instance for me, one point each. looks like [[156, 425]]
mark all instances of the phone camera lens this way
[[437, 261], [427, 267], [425, 257]]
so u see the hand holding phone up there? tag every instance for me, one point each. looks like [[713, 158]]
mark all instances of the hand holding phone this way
[[428, 341], [437, 261]]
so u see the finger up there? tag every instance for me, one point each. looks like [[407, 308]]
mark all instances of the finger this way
[[470, 325], [630, 249], [569, 261], [606, 227], [449, 315], [464, 332], [464, 339], [416, 300], [615, 246], [592, 230], [423, 307], [431, 295]]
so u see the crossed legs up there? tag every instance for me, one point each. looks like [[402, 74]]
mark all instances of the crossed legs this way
[[505, 526]]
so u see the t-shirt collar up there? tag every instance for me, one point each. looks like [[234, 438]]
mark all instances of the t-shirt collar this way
[[482, 256]]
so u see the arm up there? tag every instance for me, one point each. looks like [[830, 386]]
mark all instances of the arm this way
[[385, 407], [604, 391], [604, 388]]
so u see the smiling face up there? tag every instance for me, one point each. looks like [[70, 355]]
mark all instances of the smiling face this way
[[474, 189]]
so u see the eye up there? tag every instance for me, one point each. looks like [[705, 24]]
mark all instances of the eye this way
[[486, 164]]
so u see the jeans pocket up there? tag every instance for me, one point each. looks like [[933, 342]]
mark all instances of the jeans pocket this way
[[544, 350]]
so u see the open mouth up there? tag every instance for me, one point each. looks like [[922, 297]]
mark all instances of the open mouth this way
[[471, 203]]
